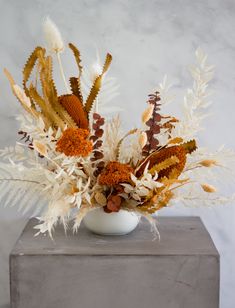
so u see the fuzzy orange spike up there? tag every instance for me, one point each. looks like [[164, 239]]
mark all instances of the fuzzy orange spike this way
[[75, 109]]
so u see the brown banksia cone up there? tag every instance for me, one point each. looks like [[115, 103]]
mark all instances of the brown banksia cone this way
[[159, 156], [75, 109]]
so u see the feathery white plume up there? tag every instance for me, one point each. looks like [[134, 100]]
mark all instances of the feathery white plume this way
[[55, 44], [53, 36]]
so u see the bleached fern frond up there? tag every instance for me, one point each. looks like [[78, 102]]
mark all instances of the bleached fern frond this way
[[19, 186], [196, 99], [16, 153], [164, 88], [112, 136]]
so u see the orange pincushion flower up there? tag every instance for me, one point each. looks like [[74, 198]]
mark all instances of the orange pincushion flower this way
[[115, 173], [74, 143]]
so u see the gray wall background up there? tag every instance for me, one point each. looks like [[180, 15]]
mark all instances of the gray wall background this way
[[147, 39]]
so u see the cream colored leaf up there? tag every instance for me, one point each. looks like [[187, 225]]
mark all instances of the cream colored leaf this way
[[20, 94], [40, 148]]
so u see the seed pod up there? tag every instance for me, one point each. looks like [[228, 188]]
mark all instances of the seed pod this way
[[142, 139], [146, 115], [100, 198], [208, 188], [208, 162]]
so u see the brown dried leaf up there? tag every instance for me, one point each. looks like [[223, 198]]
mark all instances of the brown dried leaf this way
[[107, 63], [99, 133], [28, 68], [97, 85], [189, 146], [98, 155], [50, 115], [98, 144], [77, 56], [96, 116], [93, 93], [76, 87]]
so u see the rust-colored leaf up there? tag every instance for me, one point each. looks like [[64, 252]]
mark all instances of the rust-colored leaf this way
[[77, 56], [189, 146], [76, 87]]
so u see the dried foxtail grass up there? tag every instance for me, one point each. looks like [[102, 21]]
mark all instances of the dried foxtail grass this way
[[208, 163], [143, 139], [52, 36], [208, 188], [146, 115]]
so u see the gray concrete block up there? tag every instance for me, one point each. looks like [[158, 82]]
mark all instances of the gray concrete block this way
[[88, 270]]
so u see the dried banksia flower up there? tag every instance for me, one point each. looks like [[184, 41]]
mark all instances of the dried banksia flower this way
[[74, 142], [160, 156], [115, 173], [75, 109], [208, 188]]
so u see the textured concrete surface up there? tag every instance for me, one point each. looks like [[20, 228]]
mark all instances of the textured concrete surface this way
[[87, 270]]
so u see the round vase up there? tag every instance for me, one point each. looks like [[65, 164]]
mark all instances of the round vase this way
[[118, 223]]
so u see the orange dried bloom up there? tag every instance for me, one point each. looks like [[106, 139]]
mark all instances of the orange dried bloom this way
[[74, 143], [75, 109], [163, 154], [115, 173]]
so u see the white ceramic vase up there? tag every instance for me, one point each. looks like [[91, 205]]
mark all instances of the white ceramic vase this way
[[120, 223]]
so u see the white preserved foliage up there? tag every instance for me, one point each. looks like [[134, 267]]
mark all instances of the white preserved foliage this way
[[143, 186], [196, 99], [19, 186]]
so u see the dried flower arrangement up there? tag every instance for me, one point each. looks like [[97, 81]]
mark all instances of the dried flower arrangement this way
[[78, 161]]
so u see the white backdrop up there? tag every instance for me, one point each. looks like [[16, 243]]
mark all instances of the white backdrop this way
[[147, 39]]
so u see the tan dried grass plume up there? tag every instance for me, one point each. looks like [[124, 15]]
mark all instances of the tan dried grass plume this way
[[208, 188], [53, 36]]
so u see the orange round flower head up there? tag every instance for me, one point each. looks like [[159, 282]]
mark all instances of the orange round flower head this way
[[115, 173], [73, 142]]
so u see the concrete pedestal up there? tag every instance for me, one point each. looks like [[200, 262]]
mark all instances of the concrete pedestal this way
[[131, 271]]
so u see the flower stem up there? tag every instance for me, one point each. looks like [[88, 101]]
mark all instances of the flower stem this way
[[62, 72]]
